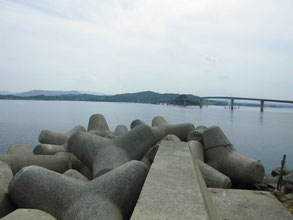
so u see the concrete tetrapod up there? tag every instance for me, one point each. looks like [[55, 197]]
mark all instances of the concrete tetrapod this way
[[58, 163], [104, 155], [58, 138], [212, 177], [49, 149], [196, 134], [28, 214], [120, 129], [171, 137], [75, 174], [5, 177], [20, 148], [77, 165], [221, 155], [98, 125], [149, 157], [162, 128], [111, 196], [136, 123]]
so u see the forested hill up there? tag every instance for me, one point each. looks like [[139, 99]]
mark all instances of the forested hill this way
[[142, 97]]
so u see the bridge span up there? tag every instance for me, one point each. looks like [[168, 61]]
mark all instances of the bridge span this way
[[241, 98]]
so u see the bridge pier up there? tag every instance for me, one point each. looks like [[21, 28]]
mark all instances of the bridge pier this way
[[232, 104], [261, 105], [200, 103], [241, 98]]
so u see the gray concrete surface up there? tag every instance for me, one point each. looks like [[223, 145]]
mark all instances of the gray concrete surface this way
[[110, 196], [234, 204], [172, 189], [76, 164], [212, 177], [6, 176], [19, 148], [136, 123], [196, 134], [98, 122], [120, 129], [99, 126], [221, 155], [28, 214], [150, 155], [57, 163], [49, 149], [58, 138], [75, 174], [171, 137], [103, 155], [161, 128]]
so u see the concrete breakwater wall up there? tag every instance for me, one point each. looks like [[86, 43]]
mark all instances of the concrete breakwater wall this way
[[99, 174]]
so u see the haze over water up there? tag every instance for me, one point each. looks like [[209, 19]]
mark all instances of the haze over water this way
[[263, 136]]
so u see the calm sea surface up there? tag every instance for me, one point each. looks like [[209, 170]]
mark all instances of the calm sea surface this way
[[264, 136]]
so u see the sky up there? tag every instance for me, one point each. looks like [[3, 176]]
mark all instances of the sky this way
[[205, 47]]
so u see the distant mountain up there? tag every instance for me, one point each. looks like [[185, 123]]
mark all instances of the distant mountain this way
[[46, 93], [91, 93], [147, 97], [5, 93], [141, 97], [50, 93]]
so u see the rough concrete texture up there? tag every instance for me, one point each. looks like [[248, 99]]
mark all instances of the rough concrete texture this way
[[6, 174], [246, 204], [110, 135], [171, 137], [150, 156], [111, 196], [99, 126], [98, 122], [58, 138], [151, 153], [49, 149], [136, 123], [75, 174], [159, 121], [106, 134], [196, 134], [103, 155], [120, 129], [78, 165], [20, 148], [201, 128], [212, 177], [5, 177], [162, 128], [28, 214], [58, 163], [196, 150], [171, 190], [221, 155]]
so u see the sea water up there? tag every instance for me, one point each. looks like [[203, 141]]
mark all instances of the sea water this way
[[264, 136]]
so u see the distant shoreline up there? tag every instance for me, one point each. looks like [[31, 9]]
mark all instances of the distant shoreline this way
[[69, 98]]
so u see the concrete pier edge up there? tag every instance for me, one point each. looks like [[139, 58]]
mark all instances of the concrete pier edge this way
[[210, 207]]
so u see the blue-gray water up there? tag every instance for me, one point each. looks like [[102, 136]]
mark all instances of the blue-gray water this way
[[264, 136]]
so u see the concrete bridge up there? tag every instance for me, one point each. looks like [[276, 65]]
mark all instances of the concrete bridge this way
[[240, 98]]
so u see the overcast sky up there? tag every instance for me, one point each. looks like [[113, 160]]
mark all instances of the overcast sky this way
[[203, 47]]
